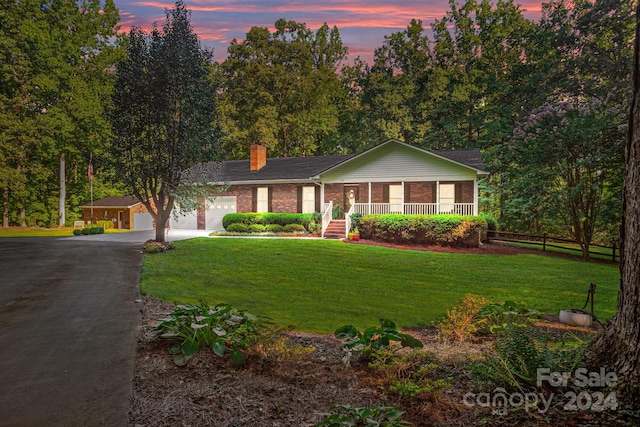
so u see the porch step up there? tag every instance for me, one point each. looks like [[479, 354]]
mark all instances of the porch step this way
[[335, 230]]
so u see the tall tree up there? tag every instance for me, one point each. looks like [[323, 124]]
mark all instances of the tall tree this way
[[162, 116], [280, 90], [58, 54], [560, 163], [619, 345]]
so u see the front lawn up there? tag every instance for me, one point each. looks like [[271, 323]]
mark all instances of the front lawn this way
[[319, 285]]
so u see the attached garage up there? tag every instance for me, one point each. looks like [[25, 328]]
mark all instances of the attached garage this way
[[217, 209], [188, 221], [209, 218]]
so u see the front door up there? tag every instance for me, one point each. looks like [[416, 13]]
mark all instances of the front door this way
[[120, 219], [351, 194]]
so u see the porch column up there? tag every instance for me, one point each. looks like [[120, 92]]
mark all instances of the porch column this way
[[369, 197], [402, 195], [438, 197], [475, 197], [322, 197]]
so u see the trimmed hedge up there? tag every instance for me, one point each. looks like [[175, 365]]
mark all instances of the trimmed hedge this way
[[256, 228], [238, 228], [294, 228], [266, 218], [274, 228], [446, 230]]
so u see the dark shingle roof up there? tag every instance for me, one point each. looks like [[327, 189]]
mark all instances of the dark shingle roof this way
[[304, 168], [114, 202], [470, 157], [286, 168]]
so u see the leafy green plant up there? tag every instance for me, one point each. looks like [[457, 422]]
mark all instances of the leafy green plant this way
[[222, 328], [86, 231], [409, 375], [381, 416], [356, 217], [493, 318], [337, 212], [458, 324], [374, 338], [77, 232], [519, 352]]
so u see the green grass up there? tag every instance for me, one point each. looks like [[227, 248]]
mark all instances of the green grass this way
[[320, 285], [44, 232]]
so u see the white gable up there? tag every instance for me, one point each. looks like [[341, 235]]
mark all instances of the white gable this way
[[394, 161]]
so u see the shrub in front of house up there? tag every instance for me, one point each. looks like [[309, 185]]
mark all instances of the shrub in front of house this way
[[238, 227], [267, 218], [273, 228], [77, 232], [86, 231], [446, 230], [294, 228], [492, 225], [107, 224], [256, 228]]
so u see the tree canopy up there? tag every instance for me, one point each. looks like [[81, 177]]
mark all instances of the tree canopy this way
[[163, 113]]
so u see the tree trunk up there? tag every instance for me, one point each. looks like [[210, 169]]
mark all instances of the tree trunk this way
[[23, 217], [5, 207], [618, 348], [63, 192]]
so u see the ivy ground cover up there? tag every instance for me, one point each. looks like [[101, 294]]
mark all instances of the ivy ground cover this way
[[319, 285]]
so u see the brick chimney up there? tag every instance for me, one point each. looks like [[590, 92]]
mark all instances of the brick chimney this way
[[258, 156]]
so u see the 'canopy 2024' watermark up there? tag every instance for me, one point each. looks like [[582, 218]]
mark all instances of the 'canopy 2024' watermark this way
[[500, 401]]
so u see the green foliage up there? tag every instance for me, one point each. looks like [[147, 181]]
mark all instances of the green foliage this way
[[282, 89], [459, 325], [494, 318], [519, 352], [238, 228], [410, 375], [256, 228], [344, 416], [337, 212], [281, 219], [356, 217], [454, 230], [164, 144], [86, 231], [274, 228], [222, 328], [77, 232], [105, 224], [492, 224], [294, 228], [375, 338]]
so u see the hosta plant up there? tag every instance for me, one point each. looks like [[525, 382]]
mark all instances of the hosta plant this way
[[494, 318], [343, 416], [374, 338], [223, 328]]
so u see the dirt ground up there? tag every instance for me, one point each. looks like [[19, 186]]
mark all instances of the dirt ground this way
[[296, 382]]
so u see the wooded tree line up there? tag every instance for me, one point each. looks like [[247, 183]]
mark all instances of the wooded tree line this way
[[546, 101]]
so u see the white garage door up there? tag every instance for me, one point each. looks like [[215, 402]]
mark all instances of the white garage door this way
[[217, 209], [185, 222], [142, 221]]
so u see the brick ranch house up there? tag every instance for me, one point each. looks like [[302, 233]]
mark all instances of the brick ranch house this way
[[392, 177]]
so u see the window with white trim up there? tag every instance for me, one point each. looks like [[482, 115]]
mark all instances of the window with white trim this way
[[262, 199], [308, 200]]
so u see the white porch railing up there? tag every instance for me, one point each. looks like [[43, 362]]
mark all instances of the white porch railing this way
[[347, 219], [327, 216], [413, 208]]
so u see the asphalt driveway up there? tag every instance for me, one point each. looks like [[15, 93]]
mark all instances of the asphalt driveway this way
[[68, 325]]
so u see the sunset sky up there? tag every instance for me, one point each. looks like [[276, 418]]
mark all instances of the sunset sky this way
[[362, 23]]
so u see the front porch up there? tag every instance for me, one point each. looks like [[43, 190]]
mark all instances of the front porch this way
[[392, 208]]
